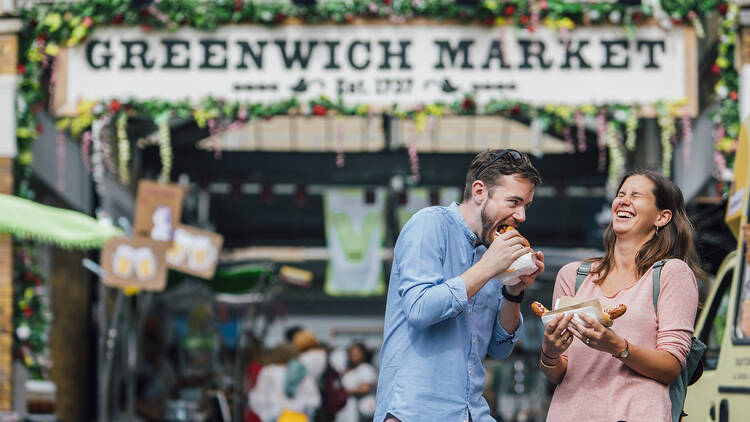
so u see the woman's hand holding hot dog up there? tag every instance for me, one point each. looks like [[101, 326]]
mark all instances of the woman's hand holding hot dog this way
[[597, 336], [557, 338]]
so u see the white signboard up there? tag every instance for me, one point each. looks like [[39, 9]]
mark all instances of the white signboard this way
[[386, 64]]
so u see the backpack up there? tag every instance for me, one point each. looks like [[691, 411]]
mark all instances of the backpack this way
[[333, 396], [694, 363]]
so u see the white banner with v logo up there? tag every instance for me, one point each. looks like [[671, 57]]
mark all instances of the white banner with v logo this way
[[355, 233]]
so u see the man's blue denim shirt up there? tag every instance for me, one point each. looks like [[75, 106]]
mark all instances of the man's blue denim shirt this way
[[435, 339]]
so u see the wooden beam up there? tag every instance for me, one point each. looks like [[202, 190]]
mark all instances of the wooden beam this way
[[6, 298]]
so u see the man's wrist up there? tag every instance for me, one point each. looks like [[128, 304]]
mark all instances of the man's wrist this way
[[516, 290], [510, 295]]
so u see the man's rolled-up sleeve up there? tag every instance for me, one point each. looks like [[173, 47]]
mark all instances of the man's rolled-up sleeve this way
[[426, 295], [502, 342]]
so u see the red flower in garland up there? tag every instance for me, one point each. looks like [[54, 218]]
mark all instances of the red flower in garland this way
[[21, 69], [524, 19], [319, 110], [115, 106], [146, 28], [515, 110], [237, 5], [87, 21], [509, 10], [387, 2], [733, 95], [279, 17], [715, 69], [637, 17], [468, 104], [144, 13], [41, 38], [488, 21], [722, 8], [118, 19], [676, 21], [349, 17], [28, 312]]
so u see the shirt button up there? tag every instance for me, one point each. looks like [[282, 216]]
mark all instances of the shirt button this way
[[469, 371]]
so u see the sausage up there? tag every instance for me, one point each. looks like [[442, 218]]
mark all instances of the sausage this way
[[538, 308], [616, 311], [506, 227]]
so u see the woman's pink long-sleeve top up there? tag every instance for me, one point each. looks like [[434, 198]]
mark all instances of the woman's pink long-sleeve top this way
[[600, 388]]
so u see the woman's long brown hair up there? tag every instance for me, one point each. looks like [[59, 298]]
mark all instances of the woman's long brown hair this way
[[674, 240]]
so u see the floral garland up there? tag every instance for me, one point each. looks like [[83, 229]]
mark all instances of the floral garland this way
[[50, 26], [727, 116], [31, 316]]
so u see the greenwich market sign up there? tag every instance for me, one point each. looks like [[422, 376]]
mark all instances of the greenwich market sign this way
[[382, 65]]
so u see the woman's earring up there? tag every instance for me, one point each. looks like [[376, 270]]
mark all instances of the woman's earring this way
[[657, 229]]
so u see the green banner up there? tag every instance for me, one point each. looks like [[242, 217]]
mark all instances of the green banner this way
[[355, 233]]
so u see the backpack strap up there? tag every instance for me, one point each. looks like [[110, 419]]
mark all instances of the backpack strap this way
[[581, 273], [657, 286]]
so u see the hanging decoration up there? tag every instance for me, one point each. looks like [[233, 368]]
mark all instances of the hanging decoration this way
[[581, 131], [568, 140], [413, 152], [123, 149], [86, 150], [666, 124], [601, 138], [165, 146], [631, 128], [687, 139], [61, 157], [616, 158], [340, 146]]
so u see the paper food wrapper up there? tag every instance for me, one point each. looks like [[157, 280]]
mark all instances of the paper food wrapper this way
[[568, 305], [524, 265]]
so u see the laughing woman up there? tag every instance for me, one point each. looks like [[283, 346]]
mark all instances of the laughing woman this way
[[623, 373]]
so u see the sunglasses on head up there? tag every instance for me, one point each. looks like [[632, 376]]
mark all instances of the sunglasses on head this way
[[514, 156]]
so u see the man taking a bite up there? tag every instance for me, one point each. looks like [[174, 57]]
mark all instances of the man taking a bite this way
[[445, 312]]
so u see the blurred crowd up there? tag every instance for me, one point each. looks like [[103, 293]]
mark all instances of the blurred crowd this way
[[304, 380]]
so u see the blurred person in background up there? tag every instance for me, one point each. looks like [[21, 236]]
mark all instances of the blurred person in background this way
[[622, 373], [444, 310], [283, 390], [312, 354], [359, 381]]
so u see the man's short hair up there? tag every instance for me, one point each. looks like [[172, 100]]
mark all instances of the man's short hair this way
[[487, 167]]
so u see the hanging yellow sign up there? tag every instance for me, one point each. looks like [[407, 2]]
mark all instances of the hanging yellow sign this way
[[737, 205]]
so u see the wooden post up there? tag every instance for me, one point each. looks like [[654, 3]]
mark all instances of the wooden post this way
[[8, 65], [6, 298], [70, 335]]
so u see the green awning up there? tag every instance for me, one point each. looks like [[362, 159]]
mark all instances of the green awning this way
[[64, 228]]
